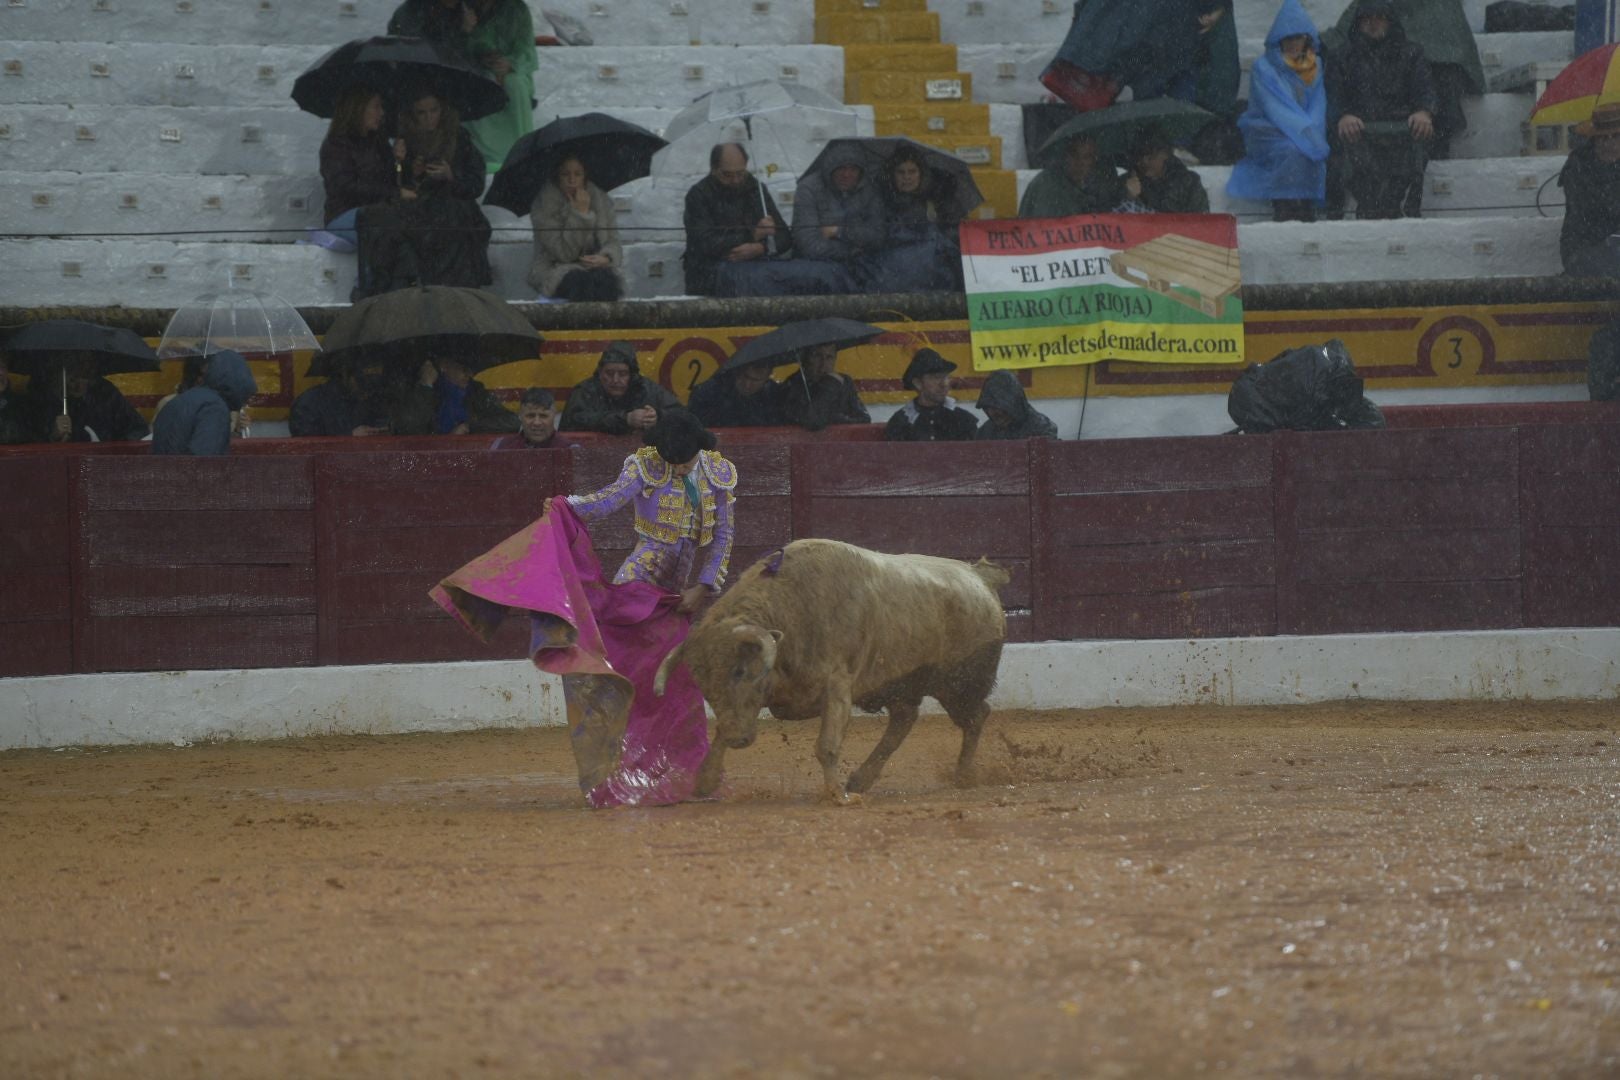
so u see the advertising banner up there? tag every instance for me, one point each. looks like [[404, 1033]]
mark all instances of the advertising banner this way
[[1156, 288]]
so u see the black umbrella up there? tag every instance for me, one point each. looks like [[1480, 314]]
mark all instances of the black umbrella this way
[[32, 347], [398, 68], [782, 345], [428, 322], [1114, 127], [951, 174], [613, 152]]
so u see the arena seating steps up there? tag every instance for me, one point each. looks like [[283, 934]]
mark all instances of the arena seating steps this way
[[174, 119]]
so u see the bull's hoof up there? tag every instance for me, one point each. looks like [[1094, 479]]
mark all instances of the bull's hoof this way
[[858, 783], [741, 742], [840, 798]]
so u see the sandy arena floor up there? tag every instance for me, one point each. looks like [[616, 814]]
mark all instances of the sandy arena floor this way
[[1334, 891]]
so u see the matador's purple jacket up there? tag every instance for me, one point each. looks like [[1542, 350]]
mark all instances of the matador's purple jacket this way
[[679, 527]]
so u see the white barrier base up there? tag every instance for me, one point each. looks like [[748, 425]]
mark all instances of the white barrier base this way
[[190, 706]]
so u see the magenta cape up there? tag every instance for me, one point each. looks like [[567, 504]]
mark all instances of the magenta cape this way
[[606, 641]]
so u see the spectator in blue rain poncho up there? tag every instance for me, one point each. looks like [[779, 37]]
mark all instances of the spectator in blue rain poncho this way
[[1285, 127]]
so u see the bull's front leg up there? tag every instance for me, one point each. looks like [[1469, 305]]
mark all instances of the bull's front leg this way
[[834, 721], [712, 770]]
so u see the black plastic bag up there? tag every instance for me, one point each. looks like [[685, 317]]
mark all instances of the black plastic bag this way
[[1315, 388], [1515, 16], [1603, 364]]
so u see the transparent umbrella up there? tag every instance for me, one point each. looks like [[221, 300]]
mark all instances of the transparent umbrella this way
[[251, 323], [784, 126]]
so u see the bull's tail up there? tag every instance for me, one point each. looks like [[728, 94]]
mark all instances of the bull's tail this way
[[992, 575]]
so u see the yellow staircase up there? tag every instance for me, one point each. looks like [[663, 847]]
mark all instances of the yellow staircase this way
[[895, 62]]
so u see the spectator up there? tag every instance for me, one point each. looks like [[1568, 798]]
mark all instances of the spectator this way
[[737, 241], [618, 399], [1144, 44], [440, 163], [1158, 179], [1384, 98], [933, 415], [1079, 185], [200, 420], [1010, 414], [96, 411], [577, 255], [191, 375], [446, 21], [1285, 126], [815, 395], [1212, 81], [921, 250], [1440, 28], [358, 167], [445, 399], [337, 406], [537, 423], [1591, 183], [741, 397], [14, 425], [838, 218], [501, 41]]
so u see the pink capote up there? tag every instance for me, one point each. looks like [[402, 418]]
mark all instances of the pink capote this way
[[606, 641]]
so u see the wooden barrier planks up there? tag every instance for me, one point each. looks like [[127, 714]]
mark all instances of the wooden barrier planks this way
[[36, 584], [1399, 530], [1154, 538], [957, 500], [193, 563], [1570, 496], [391, 526]]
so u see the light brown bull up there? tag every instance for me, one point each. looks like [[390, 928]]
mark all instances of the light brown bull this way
[[825, 625]]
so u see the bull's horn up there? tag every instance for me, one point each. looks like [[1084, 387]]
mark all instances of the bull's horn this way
[[766, 640], [665, 668]]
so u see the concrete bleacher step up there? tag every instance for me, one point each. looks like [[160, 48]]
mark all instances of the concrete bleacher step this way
[[606, 78], [328, 22], [159, 139], [907, 57], [133, 73], [907, 87], [267, 208], [150, 273], [937, 118], [902, 27]]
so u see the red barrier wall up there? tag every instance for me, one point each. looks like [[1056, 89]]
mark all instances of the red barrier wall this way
[[113, 560]]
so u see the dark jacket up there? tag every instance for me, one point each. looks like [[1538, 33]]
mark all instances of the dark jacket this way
[[590, 409], [428, 19], [717, 403], [1053, 194], [1002, 391], [1143, 44], [938, 423], [415, 411], [1386, 80], [518, 442], [832, 400], [858, 213], [919, 216], [327, 410], [198, 422], [102, 409], [1591, 213], [16, 424], [466, 171], [717, 219], [1178, 191], [357, 172]]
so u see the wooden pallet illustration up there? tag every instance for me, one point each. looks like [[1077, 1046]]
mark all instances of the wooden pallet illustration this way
[[1209, 270]]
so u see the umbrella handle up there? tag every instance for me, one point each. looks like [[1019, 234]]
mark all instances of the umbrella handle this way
[[64, 390], [770, 241]]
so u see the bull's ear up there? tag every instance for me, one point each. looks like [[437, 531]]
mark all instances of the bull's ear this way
[[751, 638]]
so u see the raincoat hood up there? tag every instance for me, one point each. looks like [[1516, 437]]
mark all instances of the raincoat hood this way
[[620, 352], [1001, 391], [1291, 21], [837, 156], [1386, 8], [229, 377]]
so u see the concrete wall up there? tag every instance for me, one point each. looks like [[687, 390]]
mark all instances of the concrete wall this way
[[184, 707]]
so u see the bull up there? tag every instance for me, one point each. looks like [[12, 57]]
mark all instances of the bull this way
[[822, 626]]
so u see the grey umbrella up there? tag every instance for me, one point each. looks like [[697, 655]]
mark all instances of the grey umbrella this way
[[1113, 128], [782, 345], [951, 177]]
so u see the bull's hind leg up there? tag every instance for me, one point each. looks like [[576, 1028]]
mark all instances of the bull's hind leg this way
[[901, 717], [970, 718]]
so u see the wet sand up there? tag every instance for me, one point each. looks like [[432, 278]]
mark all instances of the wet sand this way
[[1352, 890]]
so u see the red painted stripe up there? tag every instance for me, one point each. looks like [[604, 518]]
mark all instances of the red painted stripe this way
[[1557, 318], [1318, 326]]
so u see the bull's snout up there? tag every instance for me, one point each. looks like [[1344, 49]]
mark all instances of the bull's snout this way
[[741, 742]]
